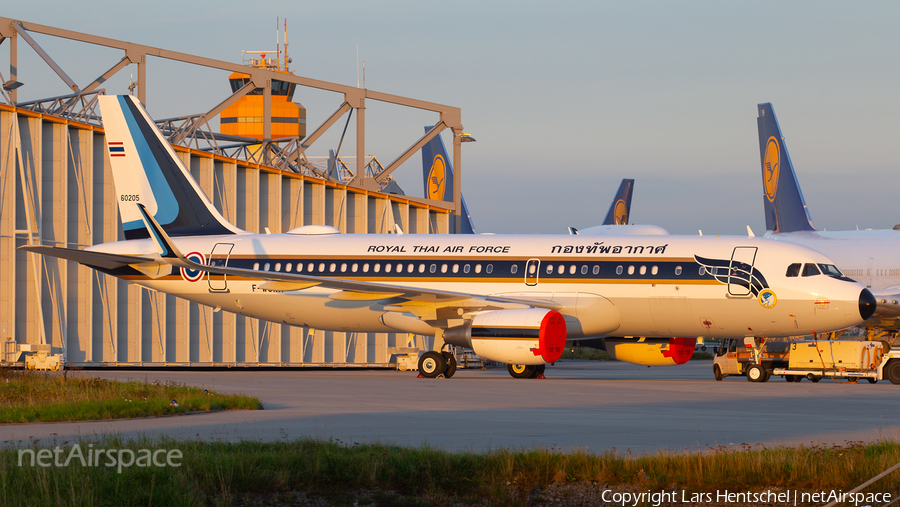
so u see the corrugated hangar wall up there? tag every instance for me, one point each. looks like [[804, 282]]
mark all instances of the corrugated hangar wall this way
[[56, 188]]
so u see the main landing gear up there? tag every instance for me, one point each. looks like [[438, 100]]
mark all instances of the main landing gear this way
[[526, 371], [435, 364]]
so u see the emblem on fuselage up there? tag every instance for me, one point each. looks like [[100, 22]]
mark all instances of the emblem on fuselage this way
[[767, 298], [621, 212], [771, 168], [437, 178], [730, 272], [193, 275]]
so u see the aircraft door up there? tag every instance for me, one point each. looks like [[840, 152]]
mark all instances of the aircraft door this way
[[740, 275], [532, 271], [219, 257], [869, 272]]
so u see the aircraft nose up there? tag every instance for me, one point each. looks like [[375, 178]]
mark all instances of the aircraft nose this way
[[866, 304]]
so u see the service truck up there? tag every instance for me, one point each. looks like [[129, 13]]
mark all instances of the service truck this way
[[758, 359]]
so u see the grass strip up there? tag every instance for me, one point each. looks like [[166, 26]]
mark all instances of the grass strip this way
[[30, 396], [217, 473]]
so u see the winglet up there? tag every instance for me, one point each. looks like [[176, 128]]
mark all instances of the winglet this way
[[167, 250]]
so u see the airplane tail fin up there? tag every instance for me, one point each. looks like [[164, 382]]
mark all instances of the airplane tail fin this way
[[437, 173], [785, 207], [620, 209], [147, 171]]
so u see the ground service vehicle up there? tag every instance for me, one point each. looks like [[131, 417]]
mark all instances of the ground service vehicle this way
[[758, 359]]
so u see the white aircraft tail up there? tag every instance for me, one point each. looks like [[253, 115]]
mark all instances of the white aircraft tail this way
[[146, 171]]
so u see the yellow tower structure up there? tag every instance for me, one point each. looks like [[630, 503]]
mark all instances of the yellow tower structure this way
[[245, 117]]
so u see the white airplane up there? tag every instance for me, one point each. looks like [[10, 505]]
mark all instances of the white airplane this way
[[514, 299], [869, 256]]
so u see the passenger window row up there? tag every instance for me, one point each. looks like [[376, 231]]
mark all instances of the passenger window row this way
[[313, 268], [572, 269], [316, 268]]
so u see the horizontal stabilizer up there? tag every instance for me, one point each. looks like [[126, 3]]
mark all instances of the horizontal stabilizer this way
[[93, 259]]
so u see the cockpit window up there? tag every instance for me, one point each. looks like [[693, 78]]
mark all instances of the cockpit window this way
[[830, 269], [793, 269], [810, 269]]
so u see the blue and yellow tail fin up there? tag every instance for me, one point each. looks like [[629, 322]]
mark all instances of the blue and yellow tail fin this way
[[783, 201], [620, 209], [437, 173], [147, 171]]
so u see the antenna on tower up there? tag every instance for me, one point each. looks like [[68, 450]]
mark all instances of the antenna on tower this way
[[287, 59]]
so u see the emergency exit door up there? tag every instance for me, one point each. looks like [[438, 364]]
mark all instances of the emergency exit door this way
[[740, 275], [219, 257], [532, 271]]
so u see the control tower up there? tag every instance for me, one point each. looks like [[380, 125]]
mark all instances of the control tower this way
[[244, 118]]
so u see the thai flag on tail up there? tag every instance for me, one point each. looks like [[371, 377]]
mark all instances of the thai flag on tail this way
[[116, 149]]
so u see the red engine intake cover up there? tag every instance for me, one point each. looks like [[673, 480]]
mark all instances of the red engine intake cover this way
[[552, 337], [680, 349]]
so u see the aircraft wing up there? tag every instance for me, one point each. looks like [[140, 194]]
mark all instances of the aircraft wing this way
[[92, 259], [357, 290]]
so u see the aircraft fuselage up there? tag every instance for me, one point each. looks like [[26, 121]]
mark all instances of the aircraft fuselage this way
[[622, 286]]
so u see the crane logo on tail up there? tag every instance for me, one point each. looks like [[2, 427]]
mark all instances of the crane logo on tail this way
[[437, 179], [771, 166], [621, 213]]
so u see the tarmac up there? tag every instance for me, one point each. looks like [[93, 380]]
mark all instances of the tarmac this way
[[594, 406]]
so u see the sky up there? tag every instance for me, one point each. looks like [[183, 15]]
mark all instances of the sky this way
[[565, 99]]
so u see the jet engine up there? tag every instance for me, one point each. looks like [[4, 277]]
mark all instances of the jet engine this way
[[651, 351], [532, 336]]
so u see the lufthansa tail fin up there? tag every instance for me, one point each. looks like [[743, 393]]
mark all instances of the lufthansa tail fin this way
[[437, 172], [620, 209], [783, 201], [146, 171]]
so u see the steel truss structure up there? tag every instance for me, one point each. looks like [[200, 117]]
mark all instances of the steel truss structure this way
[[56, 188]]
